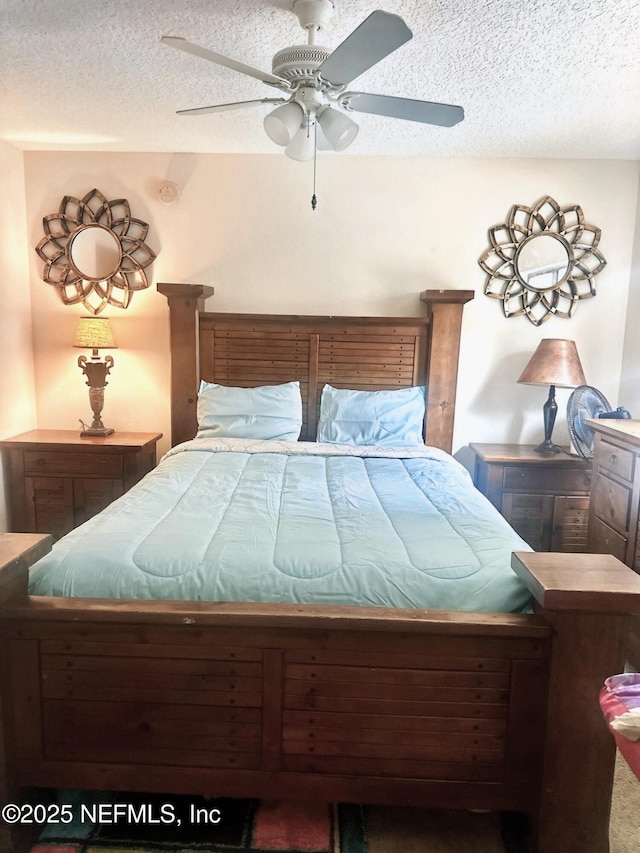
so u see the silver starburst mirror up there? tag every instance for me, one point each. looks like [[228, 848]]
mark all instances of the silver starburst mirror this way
[[95, 252], [542, 261]]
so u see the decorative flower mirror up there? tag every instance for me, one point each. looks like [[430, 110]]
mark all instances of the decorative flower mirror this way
[[94, 252], [542, 261]]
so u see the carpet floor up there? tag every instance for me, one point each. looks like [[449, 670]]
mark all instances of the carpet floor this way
[[108, 823], [138, 824]]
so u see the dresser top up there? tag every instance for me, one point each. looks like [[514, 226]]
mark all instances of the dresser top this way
[[623, 429]]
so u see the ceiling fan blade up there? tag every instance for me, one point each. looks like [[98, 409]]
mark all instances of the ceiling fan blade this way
[[237, 105], [445, 115], [376, 37], [219, 59]]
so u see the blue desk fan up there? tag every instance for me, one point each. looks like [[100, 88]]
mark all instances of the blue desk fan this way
[[586, 402]]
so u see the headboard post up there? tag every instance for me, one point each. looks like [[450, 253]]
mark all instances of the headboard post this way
[[185, 303], [445, 310]]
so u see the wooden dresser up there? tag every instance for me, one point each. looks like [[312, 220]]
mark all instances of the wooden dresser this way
[[544, 498], [614, 516], [57, 480]]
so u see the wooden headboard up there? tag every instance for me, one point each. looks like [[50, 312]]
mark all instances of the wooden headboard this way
[[368, 353]]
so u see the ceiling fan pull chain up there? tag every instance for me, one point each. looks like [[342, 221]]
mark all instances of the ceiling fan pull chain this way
[[314, 200]]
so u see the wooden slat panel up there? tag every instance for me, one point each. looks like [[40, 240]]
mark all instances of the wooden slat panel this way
[[439, 656], [265, 375], [241, 348], [231, 720], [383, 360], [144, 694], [93, 729], [56, 665], [417, 740], [364, 383], [207, 354], [26, 708], [391, 706], [570, 524], [51, 499], [126, 678], [174, 650], [311, 400], [394, 750], [390, 767], [374, 374], [267, 363], [343, 690], [407, 723], [267, 332], [529, 681], [381, 335], [380, 675], [272, 709], [114, 753]]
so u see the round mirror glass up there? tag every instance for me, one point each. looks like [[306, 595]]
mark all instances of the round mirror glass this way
[[94, 252], [542, 261]]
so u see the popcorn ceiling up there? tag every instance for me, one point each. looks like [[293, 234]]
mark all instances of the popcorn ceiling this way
[[542, 78]]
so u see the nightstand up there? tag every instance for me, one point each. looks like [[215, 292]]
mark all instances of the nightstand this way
[[544, 498], [57, 480]]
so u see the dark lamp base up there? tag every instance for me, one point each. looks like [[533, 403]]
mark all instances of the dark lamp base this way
[[548, 448], [93, 431]]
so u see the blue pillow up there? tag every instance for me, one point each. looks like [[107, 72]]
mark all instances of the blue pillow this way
[[266, 412], [372, 417]]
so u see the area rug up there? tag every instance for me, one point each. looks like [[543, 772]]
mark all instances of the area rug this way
[[132, 823]]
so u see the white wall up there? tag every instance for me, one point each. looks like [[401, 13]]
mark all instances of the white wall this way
[[17, 389], [385, 229], [629, 396]]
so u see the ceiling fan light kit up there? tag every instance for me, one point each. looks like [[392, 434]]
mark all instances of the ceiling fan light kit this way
[[338, 128], [302, 146], [314, 79], [284, 122]]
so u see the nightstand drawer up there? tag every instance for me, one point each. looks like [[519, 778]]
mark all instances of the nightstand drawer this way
[[532, 479], [608, 541], [610, 502], [616, 460], [76, 464]]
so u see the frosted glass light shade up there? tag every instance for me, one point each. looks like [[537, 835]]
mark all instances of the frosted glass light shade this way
[[302, 146], [338, 128], [322, 143], [283, 123]]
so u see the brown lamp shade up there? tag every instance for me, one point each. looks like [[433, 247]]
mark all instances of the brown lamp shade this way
[[94, 333], [555, 362]]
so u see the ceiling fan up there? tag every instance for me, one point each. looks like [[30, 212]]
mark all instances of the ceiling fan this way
[[313, 115]]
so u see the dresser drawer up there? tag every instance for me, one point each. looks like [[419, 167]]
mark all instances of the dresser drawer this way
[[611, 502], [73, 464], [615, 460], [604, 540], [530, 479]]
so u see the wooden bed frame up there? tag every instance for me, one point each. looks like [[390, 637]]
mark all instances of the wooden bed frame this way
[[371, 705]]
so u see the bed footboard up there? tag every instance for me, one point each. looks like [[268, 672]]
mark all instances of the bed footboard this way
[[365, 705]]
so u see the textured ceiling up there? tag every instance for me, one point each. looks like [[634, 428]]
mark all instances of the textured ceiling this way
[[537, 78]]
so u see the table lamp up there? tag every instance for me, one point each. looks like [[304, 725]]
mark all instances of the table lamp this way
[[95, 333], [555, 362]]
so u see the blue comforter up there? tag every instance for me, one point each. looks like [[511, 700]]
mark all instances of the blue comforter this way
[[239, 520]]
